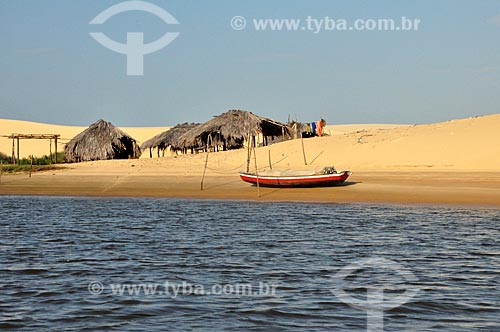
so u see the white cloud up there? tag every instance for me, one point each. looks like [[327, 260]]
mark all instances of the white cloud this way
[[485, 69], [495, 20], [35, 51]]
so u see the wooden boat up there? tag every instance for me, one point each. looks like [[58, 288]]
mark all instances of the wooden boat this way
[[326, 177]]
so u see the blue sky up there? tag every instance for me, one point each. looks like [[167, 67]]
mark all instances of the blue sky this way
[[54, 71]]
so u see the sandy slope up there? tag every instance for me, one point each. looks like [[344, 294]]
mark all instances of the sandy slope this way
[[458, 145], [454, 162], [466, 144]]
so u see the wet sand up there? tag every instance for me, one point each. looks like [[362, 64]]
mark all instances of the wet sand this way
[[433, 188]]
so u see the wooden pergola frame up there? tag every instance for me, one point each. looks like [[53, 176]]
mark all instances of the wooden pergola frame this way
[[17, 137]]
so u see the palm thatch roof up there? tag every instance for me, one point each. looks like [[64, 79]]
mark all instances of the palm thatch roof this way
[[167, 138], [101, 141], [231, 128]]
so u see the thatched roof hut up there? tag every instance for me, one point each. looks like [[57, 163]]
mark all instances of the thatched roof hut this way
[[101, 141], [230, 129], [167, 138]]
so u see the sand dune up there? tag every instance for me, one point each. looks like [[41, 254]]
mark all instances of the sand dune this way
[[466, 144], [454, 162], [458, 145]]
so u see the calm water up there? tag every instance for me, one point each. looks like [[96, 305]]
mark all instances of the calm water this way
[[51, 249]]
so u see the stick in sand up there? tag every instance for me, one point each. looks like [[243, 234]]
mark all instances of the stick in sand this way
[[302, 141], [206, 162], [249, 153], [256, 171], [31, 165], [270, 164], [319, 154]]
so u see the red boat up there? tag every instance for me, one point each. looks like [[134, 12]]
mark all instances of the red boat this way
[[327, 177]]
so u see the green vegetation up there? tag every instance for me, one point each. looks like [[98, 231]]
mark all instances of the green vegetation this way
[[39, 163], [4, 158], [26, 168], [45, 160]]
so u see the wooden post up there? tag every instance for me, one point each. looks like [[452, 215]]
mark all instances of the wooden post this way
[[249, 152], [1, 170], [31, 165], [206, 162], [18, 159], [50, 151], [204, 170], [13, 152], [55, 142], [270, 164], [301, 140], [303, 149], [256, 171]]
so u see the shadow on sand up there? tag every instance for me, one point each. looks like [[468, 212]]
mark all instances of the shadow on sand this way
[[271, 190], [347, 183], [219, 185]]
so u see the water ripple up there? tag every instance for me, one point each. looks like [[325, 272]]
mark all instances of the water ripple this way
[[53, 247]]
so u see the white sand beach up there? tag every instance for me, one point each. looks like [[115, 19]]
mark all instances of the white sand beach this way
[[453, 162]]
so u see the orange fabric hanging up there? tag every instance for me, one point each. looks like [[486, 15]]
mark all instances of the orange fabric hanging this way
[[319, 128]]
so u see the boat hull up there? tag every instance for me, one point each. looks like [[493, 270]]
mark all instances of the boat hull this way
[[323, 180]]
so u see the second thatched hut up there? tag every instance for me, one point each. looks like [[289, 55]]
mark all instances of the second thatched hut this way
[[101, 141], [231, 129], [167, 139]]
